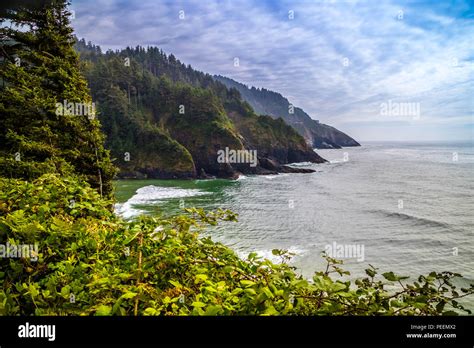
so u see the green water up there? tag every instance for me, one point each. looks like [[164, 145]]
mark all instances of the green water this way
[[213, 197], [345, 202], [353, 202]]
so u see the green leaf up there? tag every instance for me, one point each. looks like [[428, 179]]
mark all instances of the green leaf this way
[[338, 287], [198, 304], [250, 291], [228, 269], [370, 272], [176, 284], [65, 291], [267, 292], [151, 311], [390, 276], [271, 311], [129, 295], [131, 238], [213, 310], [200, 278], [103, 310], [247, 283]]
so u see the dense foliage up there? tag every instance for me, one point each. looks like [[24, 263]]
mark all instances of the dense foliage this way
[[91, 262], [39, 68]]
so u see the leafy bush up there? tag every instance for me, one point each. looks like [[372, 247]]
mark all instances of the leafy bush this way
[[90, 262]]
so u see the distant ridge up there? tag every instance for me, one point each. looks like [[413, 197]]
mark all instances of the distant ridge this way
[[163, 119], [266, 102]]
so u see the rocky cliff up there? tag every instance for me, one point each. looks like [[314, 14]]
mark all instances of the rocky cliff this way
[[266, 102], [163, 119]]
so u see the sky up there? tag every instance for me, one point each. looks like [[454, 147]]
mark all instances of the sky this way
[[377, 70]]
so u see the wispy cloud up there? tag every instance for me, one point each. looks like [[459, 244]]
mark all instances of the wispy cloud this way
[[338, 60]]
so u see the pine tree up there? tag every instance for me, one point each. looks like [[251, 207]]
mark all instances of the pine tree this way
[[39, 72]]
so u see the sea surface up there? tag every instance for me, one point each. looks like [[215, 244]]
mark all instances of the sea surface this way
[[408, 206]]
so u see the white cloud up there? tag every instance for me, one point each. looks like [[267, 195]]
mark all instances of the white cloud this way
[[408, 59]]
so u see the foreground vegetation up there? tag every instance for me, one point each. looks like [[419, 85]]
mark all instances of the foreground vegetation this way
[[91, 262], [55, 195]]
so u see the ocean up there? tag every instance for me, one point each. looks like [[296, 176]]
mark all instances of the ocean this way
[[401, 207]]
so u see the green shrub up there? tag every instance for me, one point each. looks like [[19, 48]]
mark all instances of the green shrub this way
[[91, 262]]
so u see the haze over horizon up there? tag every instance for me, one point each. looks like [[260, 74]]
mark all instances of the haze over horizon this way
[[340, 61]]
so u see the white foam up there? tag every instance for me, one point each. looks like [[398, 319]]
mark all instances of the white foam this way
[[300, 164], [241, 177], [337, 161], [126, 210], [149, 194], [271, 177]]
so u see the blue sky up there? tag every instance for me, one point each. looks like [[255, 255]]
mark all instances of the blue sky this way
[[338, 60]]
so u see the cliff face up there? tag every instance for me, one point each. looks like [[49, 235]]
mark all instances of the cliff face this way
[[163, 119], [266, 102]]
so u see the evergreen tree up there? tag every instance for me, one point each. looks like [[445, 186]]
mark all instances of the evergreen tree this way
[[39, 72]]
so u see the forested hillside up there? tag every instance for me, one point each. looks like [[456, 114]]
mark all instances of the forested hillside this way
[[163, 119], [266, 102]]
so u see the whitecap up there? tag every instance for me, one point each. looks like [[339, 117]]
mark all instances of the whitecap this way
[[301, 164], [126, 210], [271, 177], [150, 194]]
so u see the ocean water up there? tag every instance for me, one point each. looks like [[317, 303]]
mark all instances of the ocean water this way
[[408, 206]]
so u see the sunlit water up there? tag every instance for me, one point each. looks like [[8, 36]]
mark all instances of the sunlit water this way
[[409, 205]]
